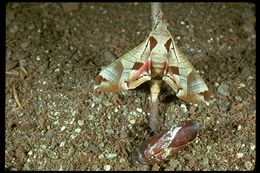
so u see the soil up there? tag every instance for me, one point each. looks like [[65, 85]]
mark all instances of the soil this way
[[55, 120]]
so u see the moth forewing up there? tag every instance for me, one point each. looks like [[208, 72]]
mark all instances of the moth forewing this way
[[171, 76], [192, 88], [109, 77], [115, 76], [135, 83]]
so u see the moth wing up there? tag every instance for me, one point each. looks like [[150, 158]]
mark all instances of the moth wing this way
[[115, 76], [184, 79]]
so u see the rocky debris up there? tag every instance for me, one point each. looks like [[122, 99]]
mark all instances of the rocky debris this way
[[107, 167], [223, 89]]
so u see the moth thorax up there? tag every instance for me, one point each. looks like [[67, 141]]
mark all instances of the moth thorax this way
[[157, 70]]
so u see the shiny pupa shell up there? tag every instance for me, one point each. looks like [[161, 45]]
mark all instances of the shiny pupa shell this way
[[167, 144]]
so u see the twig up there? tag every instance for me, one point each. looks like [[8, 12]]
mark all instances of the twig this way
[[155, 88], [155, 9], [13, 72], [23, 69], [16, 97], [154, 117]]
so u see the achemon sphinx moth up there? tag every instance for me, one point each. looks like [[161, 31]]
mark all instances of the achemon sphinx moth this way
[[156, 59]]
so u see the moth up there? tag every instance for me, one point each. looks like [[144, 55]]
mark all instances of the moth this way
[[156, 59]]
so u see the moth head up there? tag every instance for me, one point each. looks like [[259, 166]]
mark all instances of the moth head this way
[[160, 16]]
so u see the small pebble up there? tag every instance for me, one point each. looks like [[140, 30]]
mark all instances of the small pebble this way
[[107, 38], [252, 147], [238, 98], [216, 84], [30, 153], [62, 143], [205, 161], [77, 130], [184, 108], [121, 160], [240, 155], [132, 121], [24, 45], [86, 144], [248, 165], [246, 104], [62, 128], [223, 90], [49, 133], [14, 29], [30, 27], [72, 120], [178, 38], [107, 103], [182, 23], [116, 110], [109, 57], [101, 156], [107, 167], [241, 85], [250, 77], [92, 147], [61, 168], [96, 99], [81, 122], [139, 110], [239, 127], [137, 100], [43, 147], [111, 155], [224, 106], [73, 136], [13, 169]]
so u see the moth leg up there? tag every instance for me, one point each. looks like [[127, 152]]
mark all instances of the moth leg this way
[[166, 66], [135, 83]]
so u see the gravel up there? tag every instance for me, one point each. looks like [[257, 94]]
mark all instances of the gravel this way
[[107, 167], [223, 89]]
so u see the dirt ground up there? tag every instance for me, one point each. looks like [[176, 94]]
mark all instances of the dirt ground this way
[[54, 120]]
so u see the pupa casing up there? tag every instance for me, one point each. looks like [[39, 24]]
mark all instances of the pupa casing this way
[[167, 144]]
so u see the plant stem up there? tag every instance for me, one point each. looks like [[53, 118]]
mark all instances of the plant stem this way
[[155, 9], [154, 122]]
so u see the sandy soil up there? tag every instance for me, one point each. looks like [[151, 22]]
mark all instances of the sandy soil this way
[[54, 120]]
